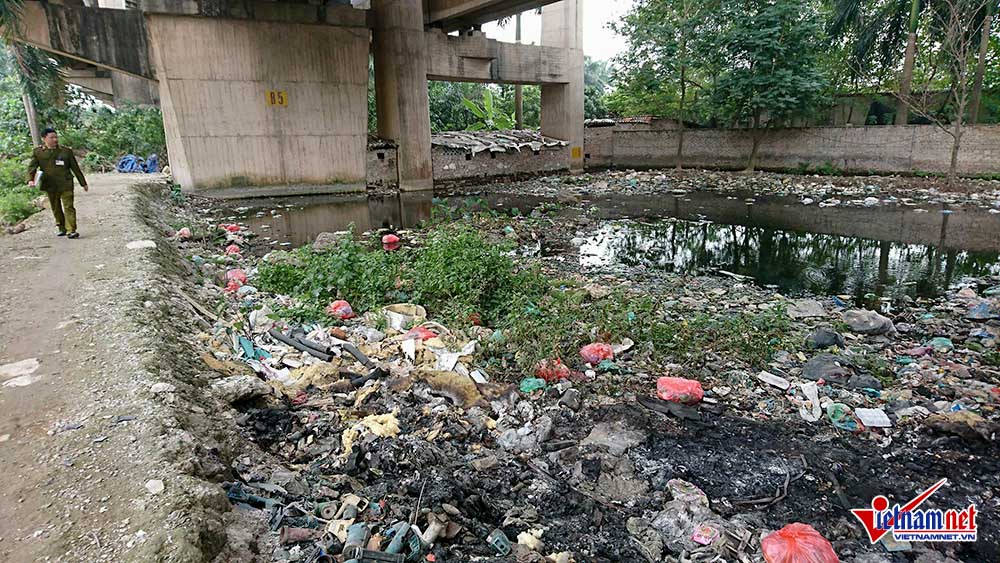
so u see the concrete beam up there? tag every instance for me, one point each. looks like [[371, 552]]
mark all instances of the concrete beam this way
[[108, 38], [475, 58], [451, 15], [128, 89], [95, 84], [333, 12]]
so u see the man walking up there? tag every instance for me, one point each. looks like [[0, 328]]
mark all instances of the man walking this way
[[58, 166]]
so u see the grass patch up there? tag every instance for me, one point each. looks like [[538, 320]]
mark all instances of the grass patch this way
[[458, 275], [16, 205], [15, 195]]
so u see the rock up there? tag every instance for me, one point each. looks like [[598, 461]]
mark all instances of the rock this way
[[140, 244], [155, 486], [528, 438], [616, 437], [324, 241], [161, 387], [571, 399], [964, 424], [824, 337], [832, 369], [868, 322], [451, 509], [805, 309], [19, 369], [485, 463], [240, 388], [618, 481], [531, 539]]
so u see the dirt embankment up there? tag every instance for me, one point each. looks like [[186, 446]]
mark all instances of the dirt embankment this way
[[115, 405]]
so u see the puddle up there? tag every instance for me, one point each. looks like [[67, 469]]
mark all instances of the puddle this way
[[887, 251], [297, 221]]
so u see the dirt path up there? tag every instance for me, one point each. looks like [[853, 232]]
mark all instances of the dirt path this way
[[72, 448]]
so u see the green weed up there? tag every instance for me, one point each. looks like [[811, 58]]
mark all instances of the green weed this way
[[16, 206], [457, 275]]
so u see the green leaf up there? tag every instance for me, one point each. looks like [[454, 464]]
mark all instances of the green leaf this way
[[475, 109], [488, 101]]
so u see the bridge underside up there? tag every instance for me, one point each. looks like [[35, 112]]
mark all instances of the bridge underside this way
[[451, 15], [275, 93]]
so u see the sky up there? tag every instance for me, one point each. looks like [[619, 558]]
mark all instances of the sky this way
[[599, 42]]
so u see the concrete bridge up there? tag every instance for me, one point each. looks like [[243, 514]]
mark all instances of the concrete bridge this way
[[274, 93]]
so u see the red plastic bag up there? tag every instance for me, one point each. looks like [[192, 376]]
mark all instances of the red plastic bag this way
[[797, 543], [229, 227], [340, 309], [237, 274], [552, 371], [233, 286], [391, 242], [594, 353], [419, 332], [679, 390]]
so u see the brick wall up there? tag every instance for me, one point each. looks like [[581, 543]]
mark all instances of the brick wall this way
[[451, 164], [909, 148], [885, 149]]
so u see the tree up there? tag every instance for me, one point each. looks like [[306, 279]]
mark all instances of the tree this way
[[957, 20], [669, 60], [770, 50], [984, 47], [596, 76]]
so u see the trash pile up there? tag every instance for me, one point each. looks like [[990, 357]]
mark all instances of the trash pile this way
[[386, 438], [824, 191]]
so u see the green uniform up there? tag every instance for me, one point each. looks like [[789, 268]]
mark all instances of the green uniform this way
[[58, 167]]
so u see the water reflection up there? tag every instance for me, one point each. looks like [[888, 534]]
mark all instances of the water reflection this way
[[792, 261], [299, 220]]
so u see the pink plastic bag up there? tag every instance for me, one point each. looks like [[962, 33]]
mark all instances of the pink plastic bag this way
[[594, 353], [340, 309], [391, 242], [797, 543], [552, 371], [183, 234], [232, 249], [237, 274], [679, 390]]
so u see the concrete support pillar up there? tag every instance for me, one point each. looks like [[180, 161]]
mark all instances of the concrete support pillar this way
[[263, 107], [562, 104], [404, 114]]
